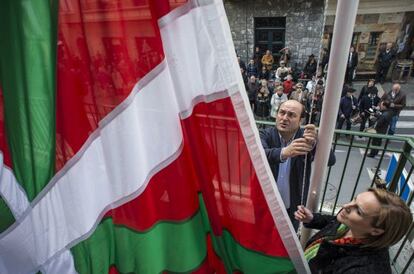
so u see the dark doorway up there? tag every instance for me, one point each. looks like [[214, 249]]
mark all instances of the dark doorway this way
[[270, 34]]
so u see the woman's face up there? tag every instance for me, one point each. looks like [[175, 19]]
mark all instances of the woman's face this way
[[358, 215]]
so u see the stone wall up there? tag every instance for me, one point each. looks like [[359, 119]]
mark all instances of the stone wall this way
[[304, 22]]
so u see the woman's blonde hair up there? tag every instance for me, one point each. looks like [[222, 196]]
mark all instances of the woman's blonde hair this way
[[394, 218]]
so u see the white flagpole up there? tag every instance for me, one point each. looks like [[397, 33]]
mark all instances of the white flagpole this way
[[346, 11]]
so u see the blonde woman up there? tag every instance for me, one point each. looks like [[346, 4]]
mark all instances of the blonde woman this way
[[277, 99], [356, 240]]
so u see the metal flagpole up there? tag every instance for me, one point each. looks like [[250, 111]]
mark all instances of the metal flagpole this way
[[346, 11]]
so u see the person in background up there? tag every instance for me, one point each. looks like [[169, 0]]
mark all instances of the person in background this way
[[262, 103], [318, 79], [264, 74], [267, 60], [368, 88], [241, 63], [281, 71], [252, 87], [356, 240], [310, 67], [313, 105], [351, 65], [288, 85], [347, 107], [257, 57], [299, 94], [368, 105], [384, 59], [381, 125], [244, 76], [251, 69], [323, 66], [285, 56], [397, 102], [277, 99]]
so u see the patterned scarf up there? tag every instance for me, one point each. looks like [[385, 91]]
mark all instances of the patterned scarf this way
[[312, 250]]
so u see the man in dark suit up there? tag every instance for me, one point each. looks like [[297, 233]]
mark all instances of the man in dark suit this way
[[385, 58], [351, 65], [382, 125], [286, 146]]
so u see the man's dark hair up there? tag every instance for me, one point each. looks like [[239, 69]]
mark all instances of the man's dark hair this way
[[386, 103]]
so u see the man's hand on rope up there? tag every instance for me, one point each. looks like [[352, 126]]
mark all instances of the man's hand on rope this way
[[310, 134]]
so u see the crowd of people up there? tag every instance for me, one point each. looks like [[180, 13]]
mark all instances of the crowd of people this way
[[270, 83]]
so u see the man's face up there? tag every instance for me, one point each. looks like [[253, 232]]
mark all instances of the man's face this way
[[389, 46], [396, 88], [252, 79], [352, 49], [288, 117]]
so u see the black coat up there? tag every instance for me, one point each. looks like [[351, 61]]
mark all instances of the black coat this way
[[272, 146], [365, 90], [345, 106], [368, 102], [384, 121], [385, 59], [347, 258], [354, 60], [262, 105]]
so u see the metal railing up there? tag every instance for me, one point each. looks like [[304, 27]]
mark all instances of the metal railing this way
[[354, 172]]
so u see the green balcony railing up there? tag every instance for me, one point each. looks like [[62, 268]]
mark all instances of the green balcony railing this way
[[354, 172]]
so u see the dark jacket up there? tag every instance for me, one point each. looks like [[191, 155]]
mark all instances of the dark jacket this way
[[365, 90], [310, 69], [345, 106], [354, 60], [272, 146], [252, 89], [399, 101], [251, 70], [263, 75], [262, 105], [347, 258], [368, 102], [385, 59], [384, 121]]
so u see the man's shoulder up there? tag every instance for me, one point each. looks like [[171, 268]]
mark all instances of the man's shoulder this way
[[269, 131]]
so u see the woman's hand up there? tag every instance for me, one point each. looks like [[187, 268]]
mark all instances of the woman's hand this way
[[303, 214]]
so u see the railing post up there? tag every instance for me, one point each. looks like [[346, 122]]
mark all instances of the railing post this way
[[400, 167]]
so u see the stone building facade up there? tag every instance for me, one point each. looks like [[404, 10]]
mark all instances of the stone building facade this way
[[303, 29]]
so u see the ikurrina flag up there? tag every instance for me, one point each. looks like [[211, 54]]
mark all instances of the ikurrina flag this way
[[128, 145]]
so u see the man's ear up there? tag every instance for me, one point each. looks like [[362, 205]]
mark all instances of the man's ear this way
[[377, 231]]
